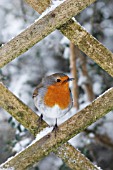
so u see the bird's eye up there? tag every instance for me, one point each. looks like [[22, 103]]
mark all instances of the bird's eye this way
[[58, 80]]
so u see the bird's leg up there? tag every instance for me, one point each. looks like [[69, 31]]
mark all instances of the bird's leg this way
[[40, 120], [55, 128]]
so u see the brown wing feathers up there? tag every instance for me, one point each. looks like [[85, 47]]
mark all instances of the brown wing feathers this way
[[35, 93]]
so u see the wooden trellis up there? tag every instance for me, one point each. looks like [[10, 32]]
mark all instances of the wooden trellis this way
[[88, 44]]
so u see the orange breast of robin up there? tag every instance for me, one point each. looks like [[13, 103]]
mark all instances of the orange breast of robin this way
[[58, 95]]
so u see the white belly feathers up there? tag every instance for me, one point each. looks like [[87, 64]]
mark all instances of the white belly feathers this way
[[51, 112]]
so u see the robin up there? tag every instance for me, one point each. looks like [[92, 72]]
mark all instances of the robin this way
[[52, 97]]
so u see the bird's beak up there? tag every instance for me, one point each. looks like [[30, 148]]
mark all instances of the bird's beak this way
[[69, 79]]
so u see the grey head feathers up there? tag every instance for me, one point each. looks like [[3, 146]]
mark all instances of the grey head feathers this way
[[52, 78]]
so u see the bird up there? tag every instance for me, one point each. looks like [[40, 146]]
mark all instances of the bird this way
[[53, 98]]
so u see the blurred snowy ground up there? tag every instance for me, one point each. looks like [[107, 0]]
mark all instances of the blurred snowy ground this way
[[49, 56]]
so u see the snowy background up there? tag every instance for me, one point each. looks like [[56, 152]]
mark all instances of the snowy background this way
[[49, 56]]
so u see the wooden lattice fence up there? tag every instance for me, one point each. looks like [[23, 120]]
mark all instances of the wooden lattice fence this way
[[89, 45]]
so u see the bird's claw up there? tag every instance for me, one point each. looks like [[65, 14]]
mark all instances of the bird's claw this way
[[55, 129]]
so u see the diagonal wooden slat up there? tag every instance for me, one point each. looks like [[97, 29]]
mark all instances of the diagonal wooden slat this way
[[41, 29], [70, 128], [19, 110], [39, 4], [88, 44]]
